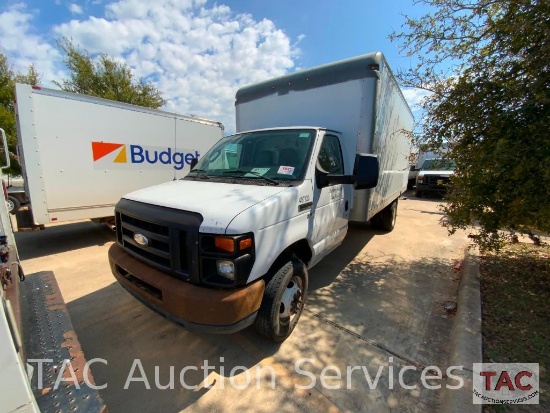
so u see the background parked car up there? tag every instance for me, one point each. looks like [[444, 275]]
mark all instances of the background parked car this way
[[434, 176]]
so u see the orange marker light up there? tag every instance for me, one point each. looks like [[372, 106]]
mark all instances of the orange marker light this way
[[224, 244], [245, 243]]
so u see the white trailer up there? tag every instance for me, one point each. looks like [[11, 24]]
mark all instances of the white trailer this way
[[80, 154]]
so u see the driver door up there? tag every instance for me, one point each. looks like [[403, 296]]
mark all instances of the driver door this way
[[332, 204]]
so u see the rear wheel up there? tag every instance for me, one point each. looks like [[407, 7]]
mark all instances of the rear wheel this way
[[385, 219], [13, 205], [283, 301]]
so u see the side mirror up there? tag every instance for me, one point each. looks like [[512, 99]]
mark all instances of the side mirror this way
[[365, 171], [321, 176], [194, 163], [365, 174]]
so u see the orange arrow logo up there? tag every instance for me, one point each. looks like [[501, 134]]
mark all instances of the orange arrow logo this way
[[101, 149]]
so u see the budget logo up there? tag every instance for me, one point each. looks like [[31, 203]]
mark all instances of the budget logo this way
[[506, 383], [129, 156], [102, 149]]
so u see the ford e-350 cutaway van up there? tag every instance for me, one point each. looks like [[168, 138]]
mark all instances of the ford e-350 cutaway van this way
[[230, 244]]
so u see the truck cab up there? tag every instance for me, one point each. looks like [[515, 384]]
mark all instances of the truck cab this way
[[240, 230]]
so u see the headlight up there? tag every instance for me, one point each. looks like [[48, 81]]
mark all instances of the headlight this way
[[226, 269], [226, 260], [420, 179]]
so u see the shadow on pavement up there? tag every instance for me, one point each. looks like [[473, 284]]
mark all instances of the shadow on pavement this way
[[62, 238], [361, 311]]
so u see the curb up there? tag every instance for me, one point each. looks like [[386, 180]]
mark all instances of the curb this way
[[465, 341]]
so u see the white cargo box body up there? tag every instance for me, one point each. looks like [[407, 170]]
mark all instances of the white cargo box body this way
[[81, 154], [358, 97]]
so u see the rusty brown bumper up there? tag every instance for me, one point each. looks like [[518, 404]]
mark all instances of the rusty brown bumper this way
[[195, 307]]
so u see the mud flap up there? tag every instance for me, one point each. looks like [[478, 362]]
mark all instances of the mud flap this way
[[48, 333]]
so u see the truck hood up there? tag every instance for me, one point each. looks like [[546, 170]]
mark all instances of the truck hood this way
[[218, 203], [438, 173]]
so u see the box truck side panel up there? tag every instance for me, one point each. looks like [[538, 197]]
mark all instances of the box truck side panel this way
[[336, 107], [82, 154], [391, 141]]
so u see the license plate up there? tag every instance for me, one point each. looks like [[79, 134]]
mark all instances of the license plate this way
[[440, 181]]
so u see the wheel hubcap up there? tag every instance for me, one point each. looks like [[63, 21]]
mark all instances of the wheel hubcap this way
[[291, 299]]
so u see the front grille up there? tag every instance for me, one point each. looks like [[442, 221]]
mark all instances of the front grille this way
[[158, 249], [170, 233], [436, 181]]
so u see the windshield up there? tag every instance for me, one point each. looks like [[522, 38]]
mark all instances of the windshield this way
[[267, 156], [438, 165]]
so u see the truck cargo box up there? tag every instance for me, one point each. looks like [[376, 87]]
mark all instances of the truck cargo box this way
[[80, 154]]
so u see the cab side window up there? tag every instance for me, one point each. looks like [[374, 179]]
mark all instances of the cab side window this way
[[330, 155]]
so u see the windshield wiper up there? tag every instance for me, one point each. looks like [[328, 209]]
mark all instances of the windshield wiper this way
[[200, 173], [272, 181]]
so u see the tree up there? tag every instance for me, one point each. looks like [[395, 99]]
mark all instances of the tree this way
[[486, 64], [8, 78], [105, 78]]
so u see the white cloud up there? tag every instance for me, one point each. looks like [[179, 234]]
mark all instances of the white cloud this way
[[75, 8], [197, 55], [24, 47], [414, 97]]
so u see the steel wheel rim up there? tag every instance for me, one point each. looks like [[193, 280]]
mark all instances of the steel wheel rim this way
[[291, 301]]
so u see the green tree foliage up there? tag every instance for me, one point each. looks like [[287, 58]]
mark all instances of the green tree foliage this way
[[8, 78], [487, 66], [105, 78]]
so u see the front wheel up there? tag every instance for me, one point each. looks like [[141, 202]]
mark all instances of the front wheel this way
[[283, 301]]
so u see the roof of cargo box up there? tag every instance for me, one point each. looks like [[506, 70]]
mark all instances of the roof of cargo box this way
[[354, 68]]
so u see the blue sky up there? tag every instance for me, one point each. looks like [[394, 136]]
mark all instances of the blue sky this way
[[199, 52]]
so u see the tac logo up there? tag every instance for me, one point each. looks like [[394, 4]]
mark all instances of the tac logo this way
[[506, 383], [121, 155]]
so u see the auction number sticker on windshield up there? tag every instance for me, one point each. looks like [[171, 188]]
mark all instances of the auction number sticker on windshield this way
[[285, 170], [257, 171]]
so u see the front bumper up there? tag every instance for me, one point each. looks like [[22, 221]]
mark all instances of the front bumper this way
[[440, 189], [195, 307]]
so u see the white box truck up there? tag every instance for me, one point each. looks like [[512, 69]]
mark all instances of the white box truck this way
[[230, 245], [80, 154]]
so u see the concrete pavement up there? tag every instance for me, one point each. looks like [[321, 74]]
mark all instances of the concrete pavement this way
[[375, 306]]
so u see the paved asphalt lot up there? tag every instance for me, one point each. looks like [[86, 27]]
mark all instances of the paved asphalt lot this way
[[375, 303]]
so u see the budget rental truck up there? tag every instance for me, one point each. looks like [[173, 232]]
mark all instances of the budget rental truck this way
[[230, 244], [80, 154]]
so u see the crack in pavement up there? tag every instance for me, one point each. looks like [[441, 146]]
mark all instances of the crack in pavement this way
[[366, 340]]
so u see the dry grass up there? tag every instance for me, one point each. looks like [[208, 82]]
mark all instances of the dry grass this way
[[515, 294]]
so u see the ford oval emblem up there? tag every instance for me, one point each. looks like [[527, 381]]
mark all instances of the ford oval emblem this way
[[141, 239]]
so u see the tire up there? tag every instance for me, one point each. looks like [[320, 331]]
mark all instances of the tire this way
[[13, 205], [283, 301], [390, 217], [385, 219], [418, 194], [376, 221]]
